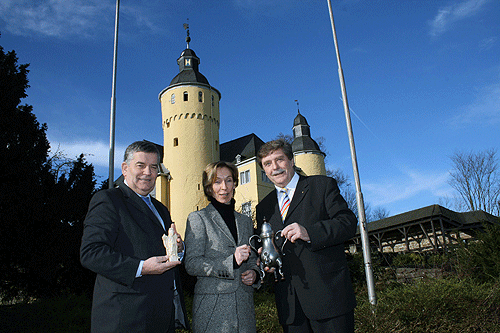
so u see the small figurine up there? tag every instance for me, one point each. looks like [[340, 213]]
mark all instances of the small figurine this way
[[170, 243]]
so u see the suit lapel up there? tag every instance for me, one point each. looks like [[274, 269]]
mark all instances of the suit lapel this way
[[274, 218], [219, 222], [240, 229], [133, 199]]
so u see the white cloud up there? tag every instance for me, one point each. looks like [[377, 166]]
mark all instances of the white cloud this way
[[55, 18], [95, 152], [485, 110], [487, 43], [449, 15], [413, 183], [70, 18]]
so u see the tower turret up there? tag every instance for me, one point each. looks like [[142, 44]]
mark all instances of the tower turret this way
[[190, 120], [306, 152]]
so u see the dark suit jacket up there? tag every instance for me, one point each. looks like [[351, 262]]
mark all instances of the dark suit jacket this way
[[119, 231], [316, 272]]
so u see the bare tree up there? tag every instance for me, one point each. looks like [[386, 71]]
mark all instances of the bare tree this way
[[349, 194], [322, 145], [286, 137], [379, 213], [289, 139], [476, 178]]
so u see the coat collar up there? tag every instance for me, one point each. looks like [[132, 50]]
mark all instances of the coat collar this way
[[219, 222], [135, 200]]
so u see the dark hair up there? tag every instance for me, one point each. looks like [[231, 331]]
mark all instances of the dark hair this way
[[271, 146], [210, 175], [140, 146]]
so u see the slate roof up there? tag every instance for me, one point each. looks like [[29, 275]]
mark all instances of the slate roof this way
[[189, 76], [466, 219], [246, 146], [304, 143]]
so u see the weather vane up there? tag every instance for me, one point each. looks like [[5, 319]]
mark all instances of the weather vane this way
[[186, 27], [297, 105]]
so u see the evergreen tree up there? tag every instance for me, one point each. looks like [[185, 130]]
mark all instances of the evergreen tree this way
[[41, 211]]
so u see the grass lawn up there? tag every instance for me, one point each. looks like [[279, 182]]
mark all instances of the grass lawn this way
[[437, 306]]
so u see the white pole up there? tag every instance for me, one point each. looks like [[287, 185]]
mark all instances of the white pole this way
[[359, 195], [113, 105]]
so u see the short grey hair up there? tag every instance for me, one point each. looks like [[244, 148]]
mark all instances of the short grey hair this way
[[140, 146]]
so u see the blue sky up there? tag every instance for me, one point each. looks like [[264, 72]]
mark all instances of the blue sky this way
[[422, 78]]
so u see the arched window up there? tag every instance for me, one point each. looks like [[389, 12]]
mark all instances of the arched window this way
[[172, 99], [200, 96], [185, 96]]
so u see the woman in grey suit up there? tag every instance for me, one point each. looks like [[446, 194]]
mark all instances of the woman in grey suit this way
[[218, 254]]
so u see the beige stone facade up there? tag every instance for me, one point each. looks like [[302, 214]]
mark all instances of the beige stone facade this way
[[190, 120], [311, 163]]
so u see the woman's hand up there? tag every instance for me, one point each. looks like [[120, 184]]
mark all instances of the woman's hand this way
[[248, 277], [241, 254]]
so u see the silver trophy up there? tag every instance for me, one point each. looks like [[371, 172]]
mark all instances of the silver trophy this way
[[270, 255]]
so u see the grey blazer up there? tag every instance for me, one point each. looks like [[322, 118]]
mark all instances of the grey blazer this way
[[210, 248]]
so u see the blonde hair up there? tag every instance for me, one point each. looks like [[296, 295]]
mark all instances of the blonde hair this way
[[210, 175]]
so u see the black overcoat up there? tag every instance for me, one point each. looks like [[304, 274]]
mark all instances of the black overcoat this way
[[316, 272], [119, 231]]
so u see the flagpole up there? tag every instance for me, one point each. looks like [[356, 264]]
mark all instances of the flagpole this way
[[359, 195], [113, 105]]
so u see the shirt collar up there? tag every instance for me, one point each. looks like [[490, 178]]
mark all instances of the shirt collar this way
[[142, 196], [292, 184]]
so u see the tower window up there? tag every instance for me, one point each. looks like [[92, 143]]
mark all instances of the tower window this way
[[176, 142], [264, 177], [172, 99], [200, 96], [216, 145], [185, 96], [246, 209], [213, 100], [245, 177]]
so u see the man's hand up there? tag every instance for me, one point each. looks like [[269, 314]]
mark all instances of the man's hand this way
[[295, 231], [242, 253], [266, 269], [157, 265], [248, 277], [180, 244]]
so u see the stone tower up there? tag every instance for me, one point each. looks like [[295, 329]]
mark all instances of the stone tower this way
[[306, 152], [190, 120]]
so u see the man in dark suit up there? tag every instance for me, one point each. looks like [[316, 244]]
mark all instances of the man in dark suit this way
[[316, 294], [122, 243]]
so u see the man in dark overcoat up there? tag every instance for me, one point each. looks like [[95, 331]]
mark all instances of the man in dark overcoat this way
[[316, 294], [122, 243]]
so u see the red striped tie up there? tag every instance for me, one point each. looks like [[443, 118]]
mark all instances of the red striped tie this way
[[285, 203]]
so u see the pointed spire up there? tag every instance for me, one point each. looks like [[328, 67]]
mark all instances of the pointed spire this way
[[188, 65], [297, 105]]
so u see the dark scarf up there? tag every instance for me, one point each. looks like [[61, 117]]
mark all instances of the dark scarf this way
[[227, 214]]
